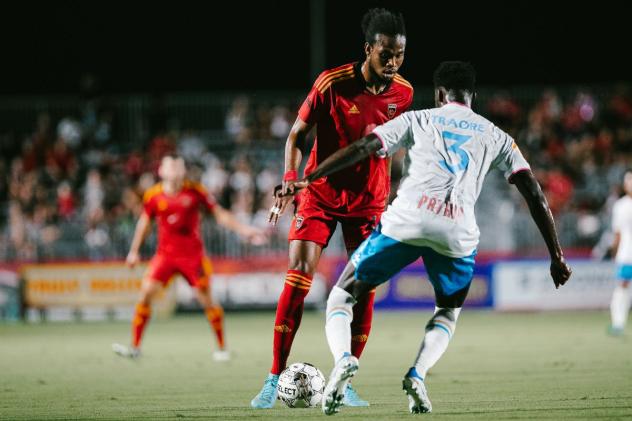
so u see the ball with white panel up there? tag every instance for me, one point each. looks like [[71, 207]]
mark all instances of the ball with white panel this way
[[301, 385]]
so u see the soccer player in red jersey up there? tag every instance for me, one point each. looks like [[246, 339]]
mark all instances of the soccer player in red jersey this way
[[175, 203], [345, 103]]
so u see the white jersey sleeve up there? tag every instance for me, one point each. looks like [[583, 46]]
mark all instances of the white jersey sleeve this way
[[509, 159], [395, 134]]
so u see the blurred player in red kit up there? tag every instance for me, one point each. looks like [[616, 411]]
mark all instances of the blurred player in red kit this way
[[175, 203], [345, 103]]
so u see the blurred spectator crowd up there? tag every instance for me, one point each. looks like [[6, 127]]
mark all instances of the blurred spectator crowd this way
[[72, 187]]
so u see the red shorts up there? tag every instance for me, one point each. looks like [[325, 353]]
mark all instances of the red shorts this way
[[196, 270], [312, 223]]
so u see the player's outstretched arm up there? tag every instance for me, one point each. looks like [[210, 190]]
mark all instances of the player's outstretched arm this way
[[226, 219], [142, 229], [541, 214], [343, 158]]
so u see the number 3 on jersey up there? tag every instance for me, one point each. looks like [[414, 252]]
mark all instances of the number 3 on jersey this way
[[464, 159]]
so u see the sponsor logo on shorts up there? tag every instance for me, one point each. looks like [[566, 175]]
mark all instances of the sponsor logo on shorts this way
[[299, 221]]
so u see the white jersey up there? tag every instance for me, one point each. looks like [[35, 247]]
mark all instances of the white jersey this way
[[622, 223], [450, 150]]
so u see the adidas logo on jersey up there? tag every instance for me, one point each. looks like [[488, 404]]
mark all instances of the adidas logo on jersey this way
[[354, 110]]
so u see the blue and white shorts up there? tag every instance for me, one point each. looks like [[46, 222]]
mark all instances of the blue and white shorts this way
[[380, 257]]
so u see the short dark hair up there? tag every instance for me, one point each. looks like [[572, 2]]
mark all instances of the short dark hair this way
[[382, 21], [455, 75]]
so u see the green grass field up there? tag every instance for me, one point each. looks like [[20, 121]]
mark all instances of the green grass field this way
[[499, 366]]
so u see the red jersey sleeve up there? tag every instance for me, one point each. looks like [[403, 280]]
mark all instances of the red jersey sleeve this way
[[207, 200], [315, 102], [407, 89], [149, 201]]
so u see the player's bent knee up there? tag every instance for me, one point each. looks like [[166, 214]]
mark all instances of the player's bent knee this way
[[202, 289], [302, 266], [149, 289], [455, 300], [360, 288], [145, 298]]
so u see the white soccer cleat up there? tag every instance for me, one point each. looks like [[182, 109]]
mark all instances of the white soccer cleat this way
[[334, 393], [126, 351], [415, 389], [352, 398], [221, 355]]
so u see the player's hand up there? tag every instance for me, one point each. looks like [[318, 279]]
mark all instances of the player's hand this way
[[132, 259], [560, 271], [281, 202], [291, 188]]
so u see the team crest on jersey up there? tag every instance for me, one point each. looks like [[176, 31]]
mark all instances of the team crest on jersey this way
[[299, 222], [392, 109]]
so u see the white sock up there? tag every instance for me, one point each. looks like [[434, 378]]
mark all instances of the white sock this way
[[619, 307], [338, 322], [439, 331]]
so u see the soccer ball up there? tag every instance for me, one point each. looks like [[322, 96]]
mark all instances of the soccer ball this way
[[301, 385]]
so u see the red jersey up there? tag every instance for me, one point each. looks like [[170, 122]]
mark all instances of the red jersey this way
[[178, 218], [345, 111]]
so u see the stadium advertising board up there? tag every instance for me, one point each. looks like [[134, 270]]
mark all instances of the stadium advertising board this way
[[254, 284], [411, 289], [528, 286], [86, 288]]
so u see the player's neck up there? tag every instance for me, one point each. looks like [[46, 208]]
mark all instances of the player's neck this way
[[373, 84], [462, 104], [462, 100], [171, 187]]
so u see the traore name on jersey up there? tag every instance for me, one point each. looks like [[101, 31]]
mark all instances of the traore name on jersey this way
[[459, 124]]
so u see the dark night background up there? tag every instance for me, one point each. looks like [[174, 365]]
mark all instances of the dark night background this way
[[245, 45]]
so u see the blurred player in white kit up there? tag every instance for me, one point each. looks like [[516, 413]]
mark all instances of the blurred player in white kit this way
[[622, 248]]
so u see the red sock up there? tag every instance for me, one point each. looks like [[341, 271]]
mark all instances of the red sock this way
[[361, 323], [288, 316], [215, 316], [141, 317]]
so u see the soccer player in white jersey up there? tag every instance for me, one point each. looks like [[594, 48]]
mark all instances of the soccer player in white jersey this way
[[622, 246], [450, 149]]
